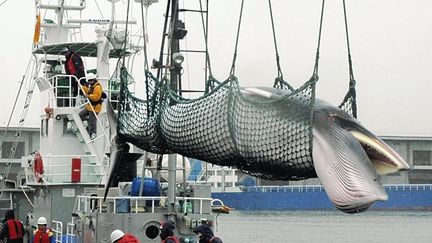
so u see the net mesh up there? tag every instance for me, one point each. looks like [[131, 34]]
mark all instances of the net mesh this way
[[349, 103], [266, 137]]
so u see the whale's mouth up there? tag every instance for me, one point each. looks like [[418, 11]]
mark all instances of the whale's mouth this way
[[384, 159]]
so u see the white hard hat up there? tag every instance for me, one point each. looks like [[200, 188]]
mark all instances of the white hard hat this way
[[115, 235], [90, 76], [42, 220]]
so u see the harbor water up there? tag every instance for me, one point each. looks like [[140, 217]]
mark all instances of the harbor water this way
[[325, 226]]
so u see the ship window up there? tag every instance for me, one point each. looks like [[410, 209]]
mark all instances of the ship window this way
[[422, 157], [420, 177], [6, 149]]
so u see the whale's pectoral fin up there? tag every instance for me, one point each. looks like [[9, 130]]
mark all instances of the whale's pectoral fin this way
[[343, 167]]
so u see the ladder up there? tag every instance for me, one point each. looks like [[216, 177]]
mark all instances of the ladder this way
[[84, 137], [4, 171], [174, 31]]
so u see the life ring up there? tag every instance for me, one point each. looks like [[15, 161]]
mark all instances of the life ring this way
[[38, 167]]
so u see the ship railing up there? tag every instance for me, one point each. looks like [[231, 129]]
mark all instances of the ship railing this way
[[408, 187], [134, 204], [292, 188], [319, 188], [62, 90], [70, 236], [66, 171], [57, 228]]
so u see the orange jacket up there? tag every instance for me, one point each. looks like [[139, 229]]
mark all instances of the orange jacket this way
[[94, 92]]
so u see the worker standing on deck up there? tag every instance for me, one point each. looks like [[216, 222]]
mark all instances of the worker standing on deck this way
[[73, 66], [12, 230], [43, 234], [93, 92], [117, 236], [205, 234], [167, 232]]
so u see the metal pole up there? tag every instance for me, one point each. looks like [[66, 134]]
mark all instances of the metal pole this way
[[223, 178], [172, 159], [171, 182], [143, 174]]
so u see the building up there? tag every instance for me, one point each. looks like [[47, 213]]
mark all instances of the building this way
[[417, 151]]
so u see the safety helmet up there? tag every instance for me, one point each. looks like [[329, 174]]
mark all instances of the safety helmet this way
[[115, 235], [91, 76], [41, 221], [65, 50]]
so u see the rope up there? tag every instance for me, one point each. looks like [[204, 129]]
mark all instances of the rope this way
[[14, 106], [232, 72], [126, 29], [205, 31], [3, 2], [146, 67], [100, 11], [348, 44], [144, 25], [174, 17], [159, 74], [280, 75], [350, 97], [315, 71]]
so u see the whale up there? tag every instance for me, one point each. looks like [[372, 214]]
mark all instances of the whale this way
[[348, 158], [272, 134]]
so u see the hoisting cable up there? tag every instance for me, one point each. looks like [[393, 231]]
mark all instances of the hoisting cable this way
[[232, 72], [3, 2], [146, 67], [315, 71], [174, 16], [279, 78], [205, 32], [280, 74], [350, 97], [126, 31], [210, 80], [158, 75]]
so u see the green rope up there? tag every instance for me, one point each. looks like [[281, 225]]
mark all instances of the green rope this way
[[280, 74], [232, 72], [205, 31], [315, 71], [349, 103]]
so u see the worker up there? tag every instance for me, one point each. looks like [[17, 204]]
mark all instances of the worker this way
[[73, 66], [93, 92], [167, 232], [118, 236], [205, 234], [13, 229], [43, 234]]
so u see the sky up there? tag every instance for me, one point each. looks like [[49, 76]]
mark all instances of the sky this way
[[390, 47]]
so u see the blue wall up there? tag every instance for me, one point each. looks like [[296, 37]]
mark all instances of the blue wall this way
[[309, 200]]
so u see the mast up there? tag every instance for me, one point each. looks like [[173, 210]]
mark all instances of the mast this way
[[174, 79]]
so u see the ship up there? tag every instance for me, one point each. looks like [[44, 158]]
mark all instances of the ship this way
[[69, 175]]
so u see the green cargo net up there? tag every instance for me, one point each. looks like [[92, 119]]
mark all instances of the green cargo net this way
[[262, 137]]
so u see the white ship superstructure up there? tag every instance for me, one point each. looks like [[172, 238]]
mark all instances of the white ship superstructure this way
[[64, 180]]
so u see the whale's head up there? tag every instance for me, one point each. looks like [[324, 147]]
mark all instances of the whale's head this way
[[348, 159]]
